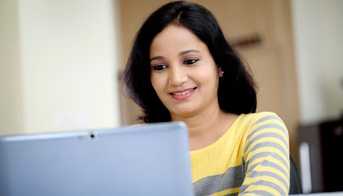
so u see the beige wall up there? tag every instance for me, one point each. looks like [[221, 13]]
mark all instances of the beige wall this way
[[63, 68], [318, 30], [11, 110]]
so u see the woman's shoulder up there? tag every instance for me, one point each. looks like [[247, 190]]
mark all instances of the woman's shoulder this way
[[263, 120], [259, 117], [262, 115]]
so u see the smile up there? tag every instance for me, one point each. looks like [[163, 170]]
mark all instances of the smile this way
[[183, 94]]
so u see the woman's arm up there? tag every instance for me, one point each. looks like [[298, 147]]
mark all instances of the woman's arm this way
[[266, 157]]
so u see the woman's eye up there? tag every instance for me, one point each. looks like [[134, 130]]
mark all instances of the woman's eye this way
[[158, 67], [190, 61]]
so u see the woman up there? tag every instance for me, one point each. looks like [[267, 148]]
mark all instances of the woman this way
[[181, 68]]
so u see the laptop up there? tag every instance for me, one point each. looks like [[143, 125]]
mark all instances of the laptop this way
[[136, 160]]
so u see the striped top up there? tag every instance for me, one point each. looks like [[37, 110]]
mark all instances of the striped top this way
[[251, 158]]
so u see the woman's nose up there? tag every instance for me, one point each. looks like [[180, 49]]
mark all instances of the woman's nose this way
[[177, 76]]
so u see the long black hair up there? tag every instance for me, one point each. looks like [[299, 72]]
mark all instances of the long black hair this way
[[236, 90]]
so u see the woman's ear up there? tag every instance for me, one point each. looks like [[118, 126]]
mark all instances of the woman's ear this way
[[220, 72]]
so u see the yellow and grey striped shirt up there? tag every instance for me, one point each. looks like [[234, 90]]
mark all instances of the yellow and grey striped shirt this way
[[251, 158]]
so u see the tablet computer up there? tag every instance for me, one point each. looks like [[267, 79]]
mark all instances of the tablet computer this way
[[135, 160]]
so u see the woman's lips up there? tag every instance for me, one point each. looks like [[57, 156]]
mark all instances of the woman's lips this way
[[182, 94]]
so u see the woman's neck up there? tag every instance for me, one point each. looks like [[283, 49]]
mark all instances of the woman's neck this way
[[206, 127]]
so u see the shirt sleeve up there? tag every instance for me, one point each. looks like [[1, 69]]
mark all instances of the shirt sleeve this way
[[266, 157]]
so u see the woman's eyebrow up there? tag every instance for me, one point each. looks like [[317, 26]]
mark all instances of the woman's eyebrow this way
[[188, 51], [156, 58], [180, 54]]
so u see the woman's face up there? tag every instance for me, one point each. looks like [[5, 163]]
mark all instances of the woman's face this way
[[183, 72]]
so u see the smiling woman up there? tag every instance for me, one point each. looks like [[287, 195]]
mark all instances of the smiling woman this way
[[184, 74], [181, 68]]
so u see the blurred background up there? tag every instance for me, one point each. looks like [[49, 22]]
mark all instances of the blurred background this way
[[61, 62]]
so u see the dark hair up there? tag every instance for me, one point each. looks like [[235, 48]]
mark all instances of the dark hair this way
[[236, 90]]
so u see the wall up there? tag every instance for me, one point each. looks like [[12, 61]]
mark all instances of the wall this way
[[318, 27], [67, 69], [331, 22], [10, 74]]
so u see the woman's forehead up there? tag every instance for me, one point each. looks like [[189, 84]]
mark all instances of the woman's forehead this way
[[175, 39]]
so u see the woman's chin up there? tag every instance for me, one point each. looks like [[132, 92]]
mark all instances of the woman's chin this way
[[183, 113]]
